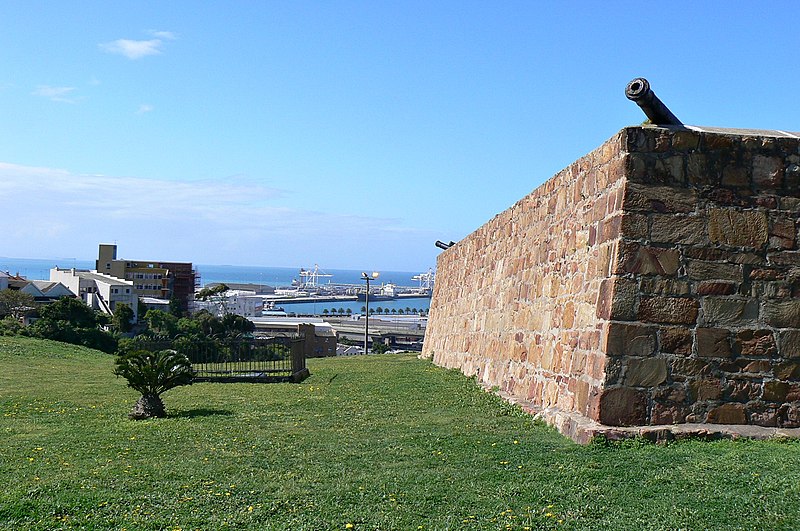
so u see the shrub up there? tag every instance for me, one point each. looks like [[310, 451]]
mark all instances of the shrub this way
[[152, 374]]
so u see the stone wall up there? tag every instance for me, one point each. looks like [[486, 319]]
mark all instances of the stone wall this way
[[654, 281]]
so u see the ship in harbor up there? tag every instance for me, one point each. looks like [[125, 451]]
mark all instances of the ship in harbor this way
[[386, 292]]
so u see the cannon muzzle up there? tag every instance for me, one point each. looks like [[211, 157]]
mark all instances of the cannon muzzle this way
[[445, 246], [639, 92]]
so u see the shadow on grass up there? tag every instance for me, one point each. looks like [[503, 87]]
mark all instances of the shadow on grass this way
[[200, 412]]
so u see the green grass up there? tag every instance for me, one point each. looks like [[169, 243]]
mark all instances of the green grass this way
[[379, 442]]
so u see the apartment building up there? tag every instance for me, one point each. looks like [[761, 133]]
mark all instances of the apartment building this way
[[99, 291], [150, 278]]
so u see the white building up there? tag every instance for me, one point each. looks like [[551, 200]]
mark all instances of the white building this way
[[99, 291], [239, 302]]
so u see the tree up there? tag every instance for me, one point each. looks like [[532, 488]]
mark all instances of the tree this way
[[341, 311], [401, 311], [123, 318], [176, 307], [15, 303], [215, 294], [394, 310], [379, 348], [363, 309], [379, 309], [161, 323], [236, 325], [69, 320], [152, 374], [349, 311], [325, 311]]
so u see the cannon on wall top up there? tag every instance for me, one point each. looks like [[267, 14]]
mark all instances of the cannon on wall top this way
[[639, 92]]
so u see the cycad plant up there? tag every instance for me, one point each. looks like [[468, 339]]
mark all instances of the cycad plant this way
[[153, 373]]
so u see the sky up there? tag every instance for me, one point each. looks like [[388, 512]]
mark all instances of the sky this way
[[349, 134]]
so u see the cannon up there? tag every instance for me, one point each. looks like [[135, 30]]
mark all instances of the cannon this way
[[639, 92], [441, 245]]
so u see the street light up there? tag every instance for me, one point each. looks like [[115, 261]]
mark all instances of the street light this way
[[365, 276]]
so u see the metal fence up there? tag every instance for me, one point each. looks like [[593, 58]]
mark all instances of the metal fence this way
[[276, 359]]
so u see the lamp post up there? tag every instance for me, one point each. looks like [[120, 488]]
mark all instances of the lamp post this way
[[365, 276]]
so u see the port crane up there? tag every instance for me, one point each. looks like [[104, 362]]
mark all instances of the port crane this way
[[426, 280], [309, 277]]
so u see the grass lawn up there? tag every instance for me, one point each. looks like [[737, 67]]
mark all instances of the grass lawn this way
[[378, 442]]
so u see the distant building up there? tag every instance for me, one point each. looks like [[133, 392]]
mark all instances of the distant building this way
[[257, 289], [239, 302], [158, 279], [3, 281], [49, 290], [99, 291]]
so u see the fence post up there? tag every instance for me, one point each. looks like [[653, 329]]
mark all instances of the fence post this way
[[299, 370]]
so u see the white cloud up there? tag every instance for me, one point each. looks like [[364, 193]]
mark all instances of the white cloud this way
[[55, 93], [133, 49], [144, 108], [165, 35], [230, 220]]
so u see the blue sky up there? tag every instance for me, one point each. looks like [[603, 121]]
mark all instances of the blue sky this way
[[348, 134]]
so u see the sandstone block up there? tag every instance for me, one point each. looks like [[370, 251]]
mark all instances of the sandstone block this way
[[727, 414], [764, 416], [746, 228], [670, 310], [789, 416], [623, 406], [636, 258], [688, 368], [674, 394], [781, 314], [782, 233], [646, 372], [617, 299], [702, 270], [765, 274], [757, 366], [784, 258], [767, 171], [663, 199], [630, 340], [756, 343], [775, 391], [677, 229], [789, 343], [712, 343], [664, 286], [735, 175], [676, 340], [685, 140], [716, 287], [742, 390], [788, 370], [668, 414], [719, 311], [701, 390]]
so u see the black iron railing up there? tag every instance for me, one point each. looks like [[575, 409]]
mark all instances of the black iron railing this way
[[278, 359]]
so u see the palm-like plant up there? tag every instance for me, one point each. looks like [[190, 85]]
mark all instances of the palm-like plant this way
[[151, 374]]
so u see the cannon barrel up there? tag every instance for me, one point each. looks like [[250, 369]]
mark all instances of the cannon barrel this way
[[441, 245], [639, 92]]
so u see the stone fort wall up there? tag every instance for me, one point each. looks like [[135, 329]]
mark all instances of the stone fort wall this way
[[654, 281]]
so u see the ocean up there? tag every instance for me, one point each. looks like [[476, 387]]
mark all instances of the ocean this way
[[39, 269]]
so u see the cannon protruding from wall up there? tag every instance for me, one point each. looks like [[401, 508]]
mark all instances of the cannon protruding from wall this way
[[639, 92], [445, 246]]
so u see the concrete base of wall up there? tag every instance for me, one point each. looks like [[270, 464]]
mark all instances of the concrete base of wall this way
[[583, 430]]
